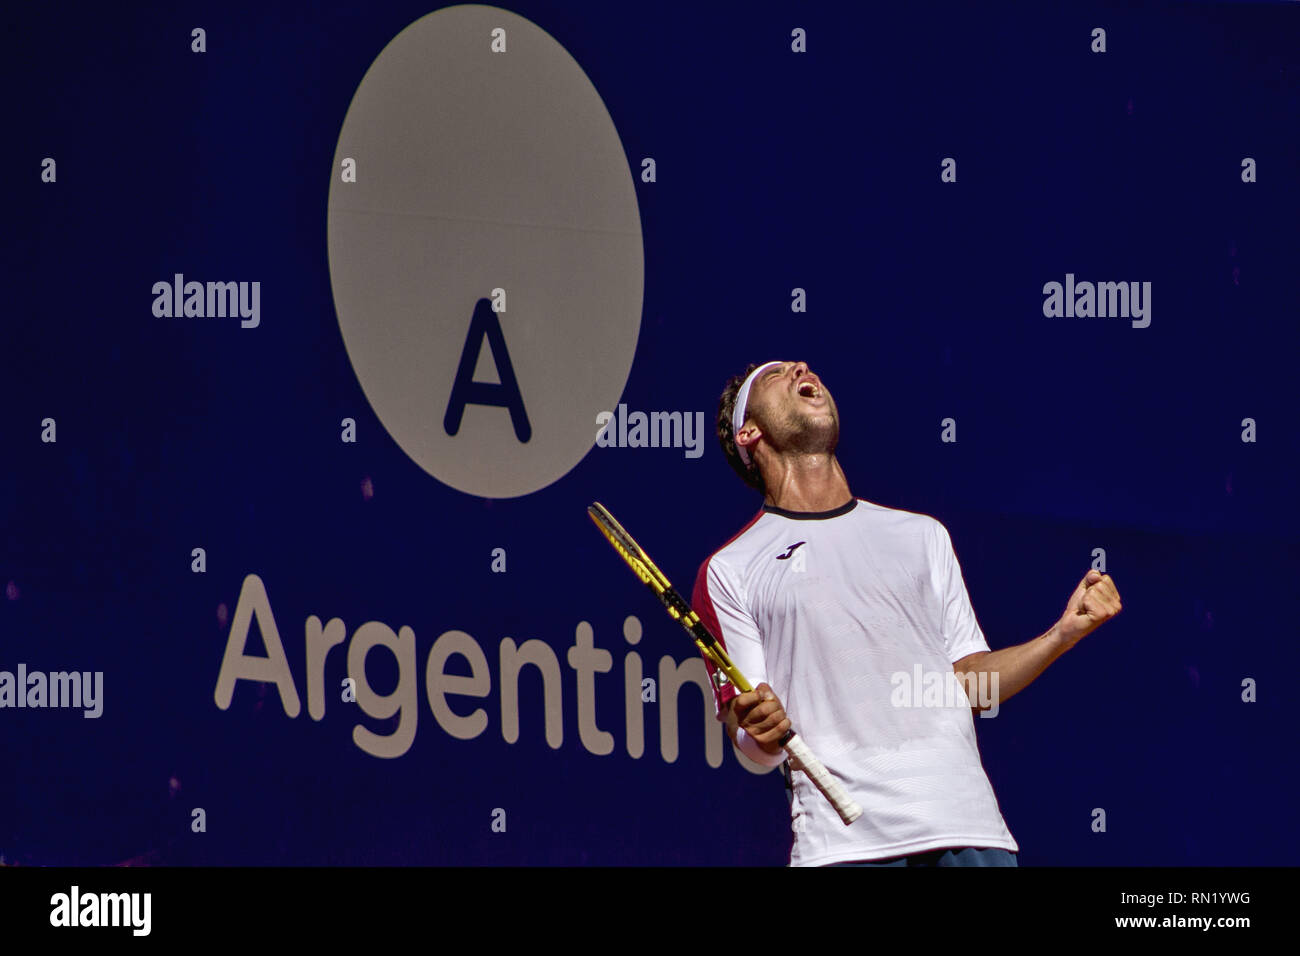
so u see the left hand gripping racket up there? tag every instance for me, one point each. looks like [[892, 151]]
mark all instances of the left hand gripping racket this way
[[681, 612]]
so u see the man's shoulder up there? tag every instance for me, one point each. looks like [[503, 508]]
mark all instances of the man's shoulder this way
[[732, 552], [916, 521]]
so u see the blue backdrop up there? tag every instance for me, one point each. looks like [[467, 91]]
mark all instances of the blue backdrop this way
[[775, 170]]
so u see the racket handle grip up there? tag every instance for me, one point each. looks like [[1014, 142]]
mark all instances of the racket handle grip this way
[[828, 785]]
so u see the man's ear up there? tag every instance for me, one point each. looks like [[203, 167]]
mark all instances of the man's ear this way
[[751, 432]]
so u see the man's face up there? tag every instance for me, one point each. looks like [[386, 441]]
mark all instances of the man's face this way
[[794, 409]]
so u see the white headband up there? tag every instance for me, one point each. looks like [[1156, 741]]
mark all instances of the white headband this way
[[742, 403]]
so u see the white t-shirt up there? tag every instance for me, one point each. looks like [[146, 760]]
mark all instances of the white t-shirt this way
[[846, 614]]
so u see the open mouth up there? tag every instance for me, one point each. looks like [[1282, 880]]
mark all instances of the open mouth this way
[[809, 390]]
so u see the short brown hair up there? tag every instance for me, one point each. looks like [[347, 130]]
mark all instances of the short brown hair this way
[[749, 474]]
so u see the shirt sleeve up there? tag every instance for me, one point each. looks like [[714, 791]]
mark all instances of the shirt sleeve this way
[[961, 632], [719, 605]]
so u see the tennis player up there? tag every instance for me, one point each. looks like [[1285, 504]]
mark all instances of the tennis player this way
[[854, 619]]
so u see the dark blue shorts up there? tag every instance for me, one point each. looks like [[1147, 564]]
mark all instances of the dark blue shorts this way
[[957, 856]]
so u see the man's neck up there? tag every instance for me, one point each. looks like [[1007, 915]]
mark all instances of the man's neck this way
[[806, 483]]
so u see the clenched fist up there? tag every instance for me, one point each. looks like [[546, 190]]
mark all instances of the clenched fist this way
[[760, 714], [1094, 602]]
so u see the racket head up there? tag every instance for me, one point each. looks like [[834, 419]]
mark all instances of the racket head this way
[[678, 608], [628, 549]]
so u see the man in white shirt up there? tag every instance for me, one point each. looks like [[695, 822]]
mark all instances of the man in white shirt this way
[[854, 618]]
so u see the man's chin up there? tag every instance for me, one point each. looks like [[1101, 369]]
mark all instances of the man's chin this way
[[818, 436]]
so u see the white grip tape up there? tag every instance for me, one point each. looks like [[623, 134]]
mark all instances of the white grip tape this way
[[828, 785]]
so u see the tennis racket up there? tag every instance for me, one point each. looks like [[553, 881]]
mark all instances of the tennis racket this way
[[680, 611]]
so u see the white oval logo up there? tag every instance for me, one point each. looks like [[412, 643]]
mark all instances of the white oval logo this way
[[485, 250]]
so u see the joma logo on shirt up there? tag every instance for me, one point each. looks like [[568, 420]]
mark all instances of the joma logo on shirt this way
[[789, 551]]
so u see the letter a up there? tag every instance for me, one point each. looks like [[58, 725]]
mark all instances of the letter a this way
[[465, 391], [236, 665]]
